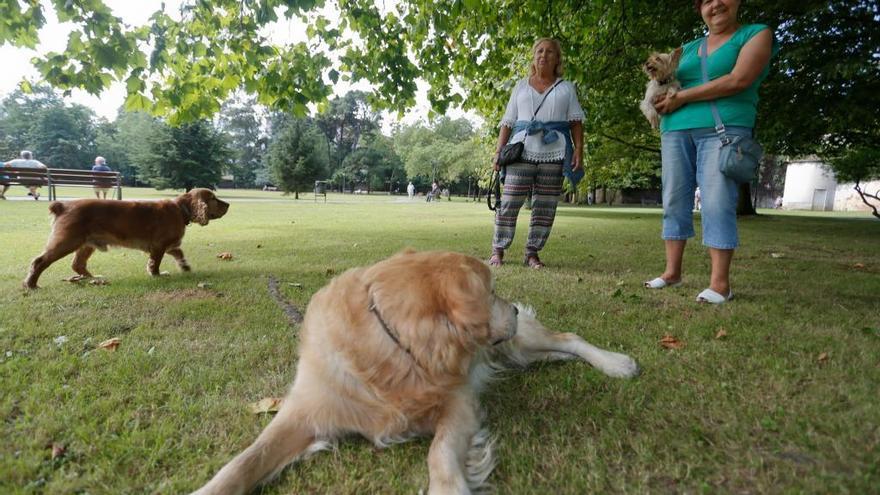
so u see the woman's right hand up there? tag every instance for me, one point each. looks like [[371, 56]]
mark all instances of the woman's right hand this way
[[495, 165]]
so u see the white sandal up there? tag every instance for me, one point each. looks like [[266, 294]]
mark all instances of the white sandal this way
[[659, 283], [712, 297]]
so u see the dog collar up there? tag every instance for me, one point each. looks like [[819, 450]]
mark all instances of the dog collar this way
[[186, 213]]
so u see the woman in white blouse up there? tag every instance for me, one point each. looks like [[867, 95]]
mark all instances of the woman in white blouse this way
[[544, 112]]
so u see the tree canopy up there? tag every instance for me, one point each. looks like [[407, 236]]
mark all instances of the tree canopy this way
[[820, 97], [61, 135], [294, 157], [183, 157], [447, 151]]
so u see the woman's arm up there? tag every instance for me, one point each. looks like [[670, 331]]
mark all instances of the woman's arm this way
[[752, 60], [577, 135], [503, 137]]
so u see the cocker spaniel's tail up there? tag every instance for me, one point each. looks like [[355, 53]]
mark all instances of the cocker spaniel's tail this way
[[56, 208]]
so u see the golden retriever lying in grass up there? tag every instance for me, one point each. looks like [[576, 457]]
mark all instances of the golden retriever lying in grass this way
[[390, 353]]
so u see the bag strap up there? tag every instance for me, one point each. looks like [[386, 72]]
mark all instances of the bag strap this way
[[545, 98], [719, 125]]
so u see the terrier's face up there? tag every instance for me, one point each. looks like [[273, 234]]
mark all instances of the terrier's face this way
[[661, 66]]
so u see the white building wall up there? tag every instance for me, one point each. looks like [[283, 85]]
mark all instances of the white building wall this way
[[847, 199], [809, 185]]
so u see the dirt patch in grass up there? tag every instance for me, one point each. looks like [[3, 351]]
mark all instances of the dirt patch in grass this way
[[181, 294]]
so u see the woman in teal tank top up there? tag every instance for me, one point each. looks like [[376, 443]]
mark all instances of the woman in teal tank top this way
[[738, 61]]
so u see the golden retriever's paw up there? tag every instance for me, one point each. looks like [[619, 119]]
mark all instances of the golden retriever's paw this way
[[618, 365]]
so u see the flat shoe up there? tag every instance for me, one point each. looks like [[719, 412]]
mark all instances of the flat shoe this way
[[532, 261], [712, 297], [497, 258], [659, 283]]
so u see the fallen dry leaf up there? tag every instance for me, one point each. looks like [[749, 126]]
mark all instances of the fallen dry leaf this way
[[267, 405], [110, 344], [58, 450], [859, 266], [776, 255], [99, 281], [670, 342], [822, 357], [74, 278], [225, 256], [721, 333], [203, 285]]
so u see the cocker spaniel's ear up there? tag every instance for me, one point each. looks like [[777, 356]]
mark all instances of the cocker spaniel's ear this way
[[199, 209]]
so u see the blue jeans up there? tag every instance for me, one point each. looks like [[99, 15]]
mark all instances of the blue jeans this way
[[690, 159]]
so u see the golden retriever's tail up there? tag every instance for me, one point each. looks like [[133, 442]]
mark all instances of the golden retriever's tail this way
[[56, 208], [285, 439]]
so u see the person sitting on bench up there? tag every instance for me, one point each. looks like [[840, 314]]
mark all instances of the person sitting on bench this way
[[27, 161]]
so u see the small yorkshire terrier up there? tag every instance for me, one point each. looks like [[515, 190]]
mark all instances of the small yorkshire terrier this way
[[660, 67]]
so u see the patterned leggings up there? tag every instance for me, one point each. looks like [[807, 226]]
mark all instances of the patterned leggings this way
[[547, 181]]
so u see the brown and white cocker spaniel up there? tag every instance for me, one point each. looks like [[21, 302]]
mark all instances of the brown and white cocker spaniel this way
[[156, 227], [399, 349]]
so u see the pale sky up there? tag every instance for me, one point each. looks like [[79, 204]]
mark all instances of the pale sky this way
[[53, 37]]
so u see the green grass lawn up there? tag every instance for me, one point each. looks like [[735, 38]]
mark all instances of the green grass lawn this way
[[756, 411]]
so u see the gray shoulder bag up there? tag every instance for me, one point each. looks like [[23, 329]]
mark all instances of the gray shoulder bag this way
[[740, 155]]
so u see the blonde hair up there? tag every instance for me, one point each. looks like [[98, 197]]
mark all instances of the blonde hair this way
[[556, 46]]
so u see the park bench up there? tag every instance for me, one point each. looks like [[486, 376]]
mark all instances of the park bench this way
[[53, 177]]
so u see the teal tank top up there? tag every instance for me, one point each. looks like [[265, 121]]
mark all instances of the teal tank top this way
[[736, 110]]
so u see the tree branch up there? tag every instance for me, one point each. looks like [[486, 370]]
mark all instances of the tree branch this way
[[876, 196], [631, 145]]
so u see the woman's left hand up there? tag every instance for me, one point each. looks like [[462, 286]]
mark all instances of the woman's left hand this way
[[668, 103], [577, 162]]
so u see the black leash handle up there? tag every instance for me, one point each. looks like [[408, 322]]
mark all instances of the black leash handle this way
[[494, 188]]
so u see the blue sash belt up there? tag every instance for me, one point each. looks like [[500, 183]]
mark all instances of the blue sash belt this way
[[536, 126]]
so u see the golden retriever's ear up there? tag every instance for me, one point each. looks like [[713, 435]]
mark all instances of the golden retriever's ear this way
[[468, 295], [199, 209], [439, 303]]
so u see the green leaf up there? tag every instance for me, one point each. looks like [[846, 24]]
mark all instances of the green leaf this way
[[137, 102]]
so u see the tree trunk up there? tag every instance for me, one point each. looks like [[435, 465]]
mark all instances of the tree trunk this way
[[744, 205], [865, 195]]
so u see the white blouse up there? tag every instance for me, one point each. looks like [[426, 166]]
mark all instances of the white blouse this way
[[561, 105]]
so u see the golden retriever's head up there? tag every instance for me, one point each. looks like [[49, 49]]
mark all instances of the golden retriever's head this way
[[204, 205], [442, 306], [662, 66]]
